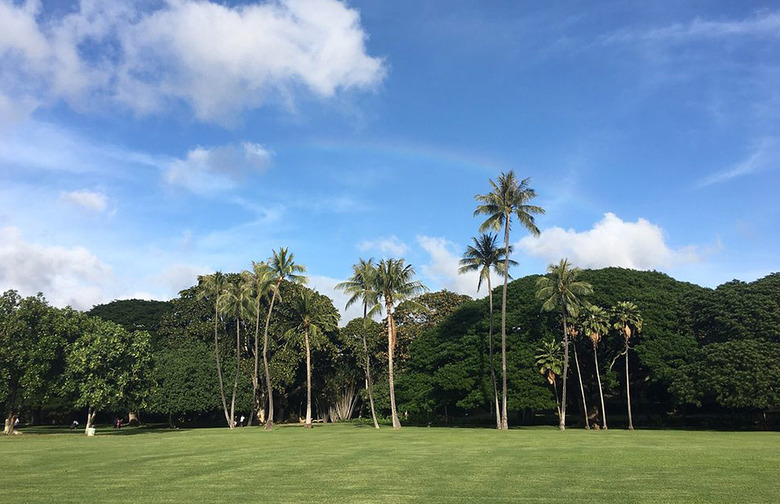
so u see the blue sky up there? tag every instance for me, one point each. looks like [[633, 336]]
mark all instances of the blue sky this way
[[144, 143]]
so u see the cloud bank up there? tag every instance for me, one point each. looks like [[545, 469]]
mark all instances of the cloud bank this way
[[217, 59], [66, 276], [611, 242]]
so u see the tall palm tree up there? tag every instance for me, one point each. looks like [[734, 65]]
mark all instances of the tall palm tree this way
[[483, 257], [550, 361], [283, 267], [261, 279], [234, 300], [507, 198], [574, 333], [211, 288], [595, 324], [561, 291], [361, 288], [394, 282], [628, 321], [311, 322]]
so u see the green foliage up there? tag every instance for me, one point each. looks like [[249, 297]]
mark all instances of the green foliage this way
[[108, 367], [739, 374], [423, 313], [34, 338], [133, 314], [737, 310], [185, 377], [449, 364]]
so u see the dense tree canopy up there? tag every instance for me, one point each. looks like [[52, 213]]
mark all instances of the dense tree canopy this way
[[700, 352], [133, 314]]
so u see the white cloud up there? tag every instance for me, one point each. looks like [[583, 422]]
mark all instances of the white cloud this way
[[763, 156], [86, 199], [218, 59], [611, 242], [443, 268], [391, 245], [66, 276], [205, 170]]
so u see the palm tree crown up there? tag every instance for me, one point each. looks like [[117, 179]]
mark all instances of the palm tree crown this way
[[484, 256], [561, 290], [626, 318], [394, 282], [549, 358], [595, 322], [508, 197], [309, 317], [282, 264], [360, 286]]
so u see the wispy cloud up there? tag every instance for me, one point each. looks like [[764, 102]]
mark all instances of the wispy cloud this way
[[761, 24], [86, 199], [765, 155]]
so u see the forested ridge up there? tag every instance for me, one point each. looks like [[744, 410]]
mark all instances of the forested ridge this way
[[704, 357]]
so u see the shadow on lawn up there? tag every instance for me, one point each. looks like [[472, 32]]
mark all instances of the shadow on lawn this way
[[101, 430]]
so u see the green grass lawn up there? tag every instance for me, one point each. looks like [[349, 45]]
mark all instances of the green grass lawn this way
[[351, 463]]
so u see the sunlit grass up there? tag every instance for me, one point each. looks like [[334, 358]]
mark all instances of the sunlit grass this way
[[349, 463]]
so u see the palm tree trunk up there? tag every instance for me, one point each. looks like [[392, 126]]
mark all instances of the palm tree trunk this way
[[269, 417], [492, 362], [504, 415], [238, 371], [219, 366], [256, 373], [562, 419], [582, 389], [557, 400], [368, 369], [601, 393], [628, 393], [390, 352], [308, 380]]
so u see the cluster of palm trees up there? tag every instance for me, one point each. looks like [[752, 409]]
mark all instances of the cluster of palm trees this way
[[241, 300], [381, 286], [376, 286], [560, 291]]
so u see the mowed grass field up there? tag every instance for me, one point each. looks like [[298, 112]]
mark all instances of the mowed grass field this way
[[351, 463]]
